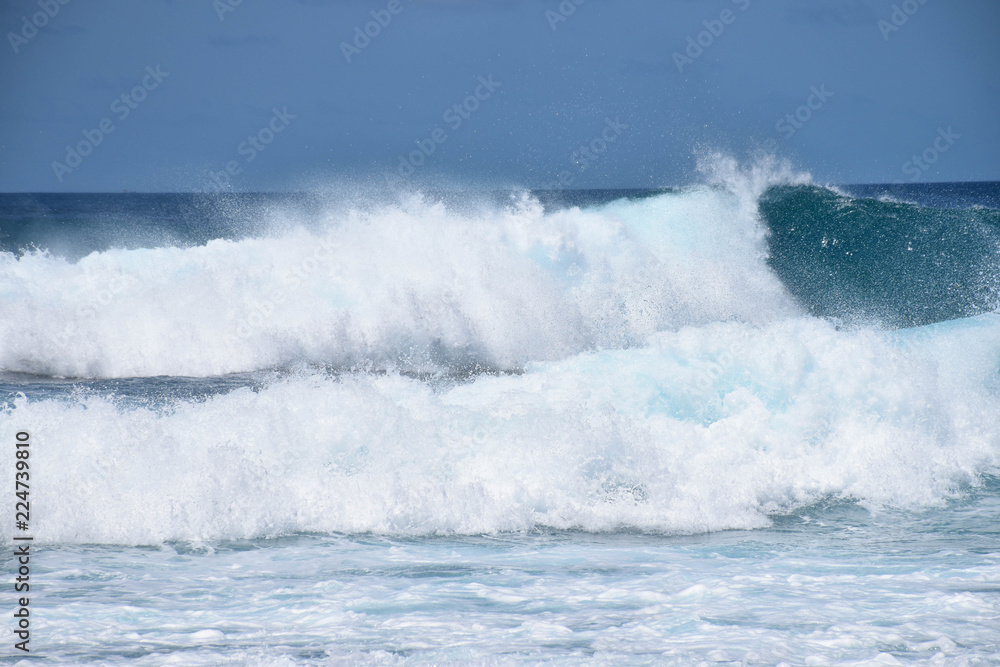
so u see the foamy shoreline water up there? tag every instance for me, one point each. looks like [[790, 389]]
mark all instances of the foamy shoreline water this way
[[830, 584]]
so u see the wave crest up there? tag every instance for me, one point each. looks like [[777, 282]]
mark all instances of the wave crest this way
[[415, 286]]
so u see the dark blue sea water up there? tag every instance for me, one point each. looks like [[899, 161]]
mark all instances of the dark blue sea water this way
[[742, 422]]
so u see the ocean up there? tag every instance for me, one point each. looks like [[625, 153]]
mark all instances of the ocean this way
[[749, 421]]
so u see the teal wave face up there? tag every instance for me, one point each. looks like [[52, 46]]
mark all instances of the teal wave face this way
[[903, 264]]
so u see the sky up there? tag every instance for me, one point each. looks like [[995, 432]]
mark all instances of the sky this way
[[212, 95]]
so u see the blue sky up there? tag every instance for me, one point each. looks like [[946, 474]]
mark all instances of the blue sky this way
[[166, 95]]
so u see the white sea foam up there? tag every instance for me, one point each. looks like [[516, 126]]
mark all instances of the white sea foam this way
[[409, 286], [706, 428], [669, 382]]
